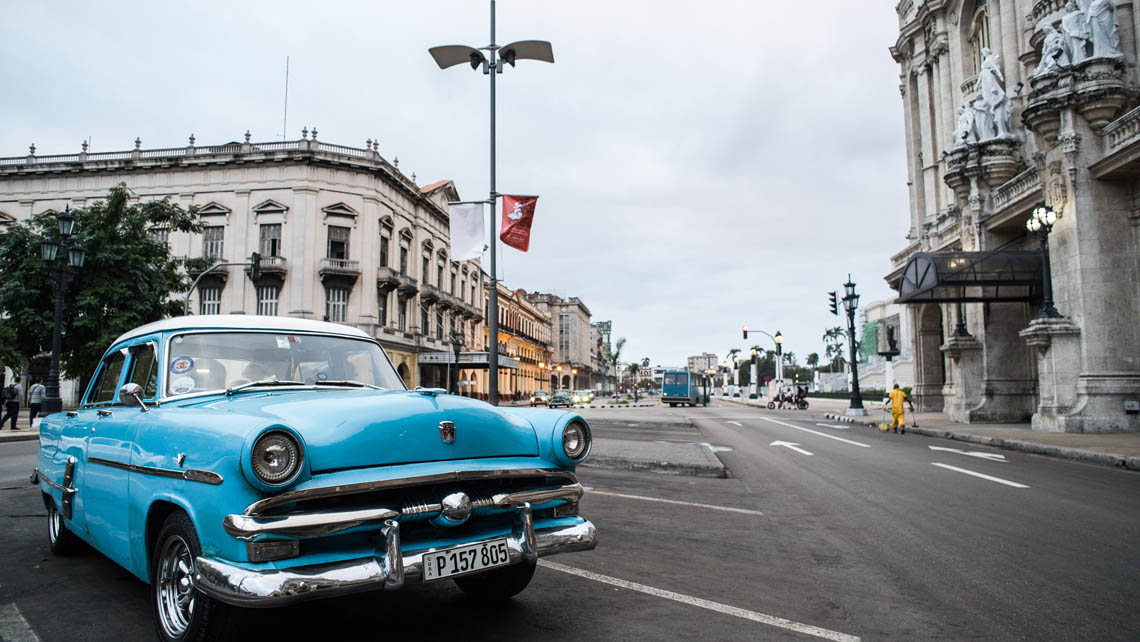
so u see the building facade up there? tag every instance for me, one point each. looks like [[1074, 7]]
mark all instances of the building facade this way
[[344, 235], [886, 329], [1010, 106], [570, 341], [524, 337]]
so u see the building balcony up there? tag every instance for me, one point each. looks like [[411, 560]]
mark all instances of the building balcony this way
[[196, 267], [429, 294], [446, 301], [407, 285], [1096, 87], [273, 267], [339, 269], [387, 279]]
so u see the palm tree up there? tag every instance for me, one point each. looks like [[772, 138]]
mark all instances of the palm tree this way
[[833, 338], [613, 357], [813, 359]]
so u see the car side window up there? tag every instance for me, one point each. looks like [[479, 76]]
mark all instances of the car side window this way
[[144, 369], [107, 385]]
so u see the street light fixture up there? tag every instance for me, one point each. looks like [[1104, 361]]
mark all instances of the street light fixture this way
[[779, 339], [1041, 223], [492, 63], [850, 304], [62, 274], [752, 388]]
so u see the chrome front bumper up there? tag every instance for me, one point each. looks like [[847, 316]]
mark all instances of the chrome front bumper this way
[[389, 569]]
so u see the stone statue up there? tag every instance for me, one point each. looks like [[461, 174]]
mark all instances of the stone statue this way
[[1103, 29], [1053, 54], [991, 82], [1075, 27], [965, 132], [983, 120]]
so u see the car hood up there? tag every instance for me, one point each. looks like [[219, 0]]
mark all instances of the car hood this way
[[345, 429]]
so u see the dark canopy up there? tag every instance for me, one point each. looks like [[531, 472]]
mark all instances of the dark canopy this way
[[971, 277]]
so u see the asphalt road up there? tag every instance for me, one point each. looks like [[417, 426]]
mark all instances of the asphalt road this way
[[867, 541]]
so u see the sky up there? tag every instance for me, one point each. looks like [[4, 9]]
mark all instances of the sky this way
[[700, 166]]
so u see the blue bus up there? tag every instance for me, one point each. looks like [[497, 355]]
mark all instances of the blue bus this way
[[680, 387]]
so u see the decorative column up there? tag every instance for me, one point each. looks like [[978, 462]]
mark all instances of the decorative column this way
[[1058, 344]]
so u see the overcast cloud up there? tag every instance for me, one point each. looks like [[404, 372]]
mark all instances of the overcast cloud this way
[[700, 165]]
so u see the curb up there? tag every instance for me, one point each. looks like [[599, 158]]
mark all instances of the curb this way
[[689, 470], [843, 418], [19, 435]]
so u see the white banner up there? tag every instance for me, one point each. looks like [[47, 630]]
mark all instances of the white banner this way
[[466, 231]]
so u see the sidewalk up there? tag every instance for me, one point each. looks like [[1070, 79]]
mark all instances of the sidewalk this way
[[693, 460], [22, 432]]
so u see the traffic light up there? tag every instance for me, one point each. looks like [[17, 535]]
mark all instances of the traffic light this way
[[834, 302], [255, 266], [745, 333]]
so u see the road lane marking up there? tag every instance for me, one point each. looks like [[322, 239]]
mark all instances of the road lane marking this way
[[816, 432], [13, 626], [970, 472], [790, 446], [734, 423], [973, 453], [770, 620], [727, 509], [834, 426]]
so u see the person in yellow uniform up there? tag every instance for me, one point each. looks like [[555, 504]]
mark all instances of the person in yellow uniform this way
[[898, 420]]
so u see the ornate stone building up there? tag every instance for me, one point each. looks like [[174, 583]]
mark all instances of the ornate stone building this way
[[524, 338], [344, 234], [1010, 106], [570, 340]]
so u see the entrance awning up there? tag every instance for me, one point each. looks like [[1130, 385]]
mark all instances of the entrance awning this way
[[971, 277], [467, 360]]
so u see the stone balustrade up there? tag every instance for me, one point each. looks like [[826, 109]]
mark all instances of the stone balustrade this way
[[1123, 131], [1024, 183]]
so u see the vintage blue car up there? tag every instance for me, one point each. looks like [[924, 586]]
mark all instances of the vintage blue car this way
[[245, 461]]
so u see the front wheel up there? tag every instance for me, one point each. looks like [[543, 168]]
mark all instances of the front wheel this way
[[497, 585], [60, 539], [803, 405], [181, 613], [771, 405]]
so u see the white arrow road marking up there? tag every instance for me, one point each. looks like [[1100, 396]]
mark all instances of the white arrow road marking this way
[[816, 432], [790, 446], [735, 423], [834, 426], [727, 509], [972, 453], [13, 626], [970, 472], [770, 620]]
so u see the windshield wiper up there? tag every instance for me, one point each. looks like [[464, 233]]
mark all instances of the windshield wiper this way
[[263, 382], [347, 382]]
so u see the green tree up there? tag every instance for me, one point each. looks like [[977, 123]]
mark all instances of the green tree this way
[[613, 356], [833, 340], [813, 359], [129, 279]]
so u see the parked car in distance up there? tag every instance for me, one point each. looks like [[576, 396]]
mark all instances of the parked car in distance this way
[[581, 397], [540, 398], [560, 399], [237, 461]]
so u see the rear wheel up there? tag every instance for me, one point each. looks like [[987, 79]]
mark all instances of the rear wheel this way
[[497, 585], [181, 613], [771, 406], [61, 540]]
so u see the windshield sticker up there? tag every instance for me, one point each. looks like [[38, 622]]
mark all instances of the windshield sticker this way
[[182, 365], [283, 343], [293, 339], [182, 385]]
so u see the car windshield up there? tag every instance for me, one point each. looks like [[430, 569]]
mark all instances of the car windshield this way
[[205, 361]]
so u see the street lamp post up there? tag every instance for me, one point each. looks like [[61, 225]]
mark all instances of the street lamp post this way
[[558, 380], [1041, 224], [779, 339], [752, 394], [573, 378], [453, 373], [735, 376], [851, 303], [62, 275], [492, 64]]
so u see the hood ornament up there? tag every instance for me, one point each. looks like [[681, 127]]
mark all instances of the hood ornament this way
[[447, 432]]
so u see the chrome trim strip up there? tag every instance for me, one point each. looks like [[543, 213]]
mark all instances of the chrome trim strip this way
[[194, 475], [289, 497], [246, 587], [245, 527]]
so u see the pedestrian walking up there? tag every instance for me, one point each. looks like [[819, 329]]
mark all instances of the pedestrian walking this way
[[898, 419], [35, 400], [11, 396]]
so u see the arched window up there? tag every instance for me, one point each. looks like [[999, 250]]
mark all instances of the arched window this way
[[979, 34]]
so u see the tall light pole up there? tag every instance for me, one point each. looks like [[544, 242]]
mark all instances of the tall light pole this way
[[62, 274], [448, 56], [779, 339], [851, 303], [752, 389], [1041, 224]]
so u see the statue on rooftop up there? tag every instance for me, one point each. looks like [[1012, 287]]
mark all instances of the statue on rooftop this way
[[1053, 54], [992, 85], [1075, 27], [1103, 29]]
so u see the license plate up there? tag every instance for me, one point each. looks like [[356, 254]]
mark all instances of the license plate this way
[[465, 559]]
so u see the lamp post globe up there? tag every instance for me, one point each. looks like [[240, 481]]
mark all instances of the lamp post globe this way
[[63, 270], [1041, 223]]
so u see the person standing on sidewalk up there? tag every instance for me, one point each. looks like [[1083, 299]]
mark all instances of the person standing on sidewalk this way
[[35, 400], [898, 419], [11, 397]]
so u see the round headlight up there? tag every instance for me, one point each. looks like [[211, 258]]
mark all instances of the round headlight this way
[[576, 440], [276, 457]]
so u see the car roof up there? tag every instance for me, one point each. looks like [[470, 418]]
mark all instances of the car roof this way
[[242, 322]]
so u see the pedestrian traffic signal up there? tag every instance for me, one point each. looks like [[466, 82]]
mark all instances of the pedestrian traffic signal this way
[[745, 333], [834, 302], [255, 266]]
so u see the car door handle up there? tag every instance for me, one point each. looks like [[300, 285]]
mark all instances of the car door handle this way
[[104, 413]]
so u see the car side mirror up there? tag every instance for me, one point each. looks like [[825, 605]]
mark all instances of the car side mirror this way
[[131, 394]]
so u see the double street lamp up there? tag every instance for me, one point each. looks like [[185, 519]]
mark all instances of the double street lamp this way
[[851, 303], [492, 64], [1041, 223], [62, 274]]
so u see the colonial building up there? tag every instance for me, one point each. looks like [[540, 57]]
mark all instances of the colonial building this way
[[886, 349], [345, 235], [570, 340], [524, 342], [1013, 107], [602, 331]]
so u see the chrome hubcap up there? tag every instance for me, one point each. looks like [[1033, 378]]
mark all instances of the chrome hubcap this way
[[54, 523], [175, 588]]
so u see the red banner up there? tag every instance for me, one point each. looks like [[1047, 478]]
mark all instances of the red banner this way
[[518, 214]]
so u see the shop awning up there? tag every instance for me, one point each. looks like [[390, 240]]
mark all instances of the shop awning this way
[[467, 360], [971, 277]]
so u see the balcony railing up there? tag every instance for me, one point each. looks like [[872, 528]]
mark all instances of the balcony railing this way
[[1123, 131], [338, 268], [1016, 187]]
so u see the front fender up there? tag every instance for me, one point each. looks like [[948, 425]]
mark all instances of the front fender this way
[[548, 426]]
